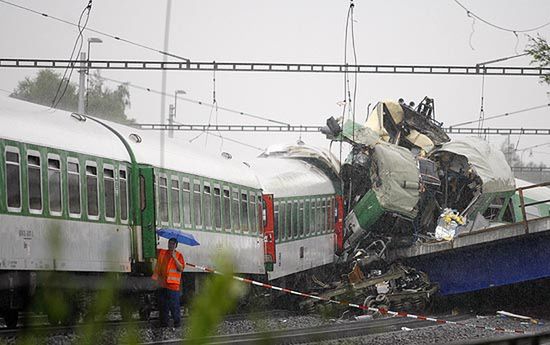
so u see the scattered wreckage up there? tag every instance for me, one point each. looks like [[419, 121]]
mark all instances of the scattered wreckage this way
[[405, 181]]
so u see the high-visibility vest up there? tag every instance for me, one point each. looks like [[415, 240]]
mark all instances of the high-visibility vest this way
[[166, 271]]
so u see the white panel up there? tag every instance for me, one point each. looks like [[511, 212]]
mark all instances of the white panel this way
[[48, 244], [318, 251], [246, 252]]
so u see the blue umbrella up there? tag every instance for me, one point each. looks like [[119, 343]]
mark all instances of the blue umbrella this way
[[179, 235]]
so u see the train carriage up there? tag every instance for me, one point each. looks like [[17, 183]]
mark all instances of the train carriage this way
[[307, 210], [84, 196]]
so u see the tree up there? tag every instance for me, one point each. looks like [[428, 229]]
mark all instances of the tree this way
[[102, 101], [540, 53]]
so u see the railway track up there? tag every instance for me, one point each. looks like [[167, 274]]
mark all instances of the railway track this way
[[314, 334], [37, 329]]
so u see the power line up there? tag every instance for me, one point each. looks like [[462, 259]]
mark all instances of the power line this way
[[115, 37], [470, 13], [194, 101], [278, 67], [230, 139], [79, 41], [501, 115]]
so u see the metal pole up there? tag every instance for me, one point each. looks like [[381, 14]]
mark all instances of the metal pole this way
[[88, 78], [82, 83]]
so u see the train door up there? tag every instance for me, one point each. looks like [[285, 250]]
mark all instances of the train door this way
[[268, 226], [339, 223], [148, 243]]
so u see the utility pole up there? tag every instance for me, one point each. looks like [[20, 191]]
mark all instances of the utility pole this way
[[82, 83], [172, 112]]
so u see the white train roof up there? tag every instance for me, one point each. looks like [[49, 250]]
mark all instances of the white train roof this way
[[290, 177], [40, 125]]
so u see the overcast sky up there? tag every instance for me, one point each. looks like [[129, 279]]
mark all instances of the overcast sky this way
[[386, 32]]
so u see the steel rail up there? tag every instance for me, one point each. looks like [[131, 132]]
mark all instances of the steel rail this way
[[312, 334], [276, 67]]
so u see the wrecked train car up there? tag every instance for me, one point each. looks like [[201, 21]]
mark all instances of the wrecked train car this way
[[405, 181], [403, 172]]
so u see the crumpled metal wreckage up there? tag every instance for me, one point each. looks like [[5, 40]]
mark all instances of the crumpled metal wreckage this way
[[406, 181]]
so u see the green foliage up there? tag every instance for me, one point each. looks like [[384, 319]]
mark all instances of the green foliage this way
[[106, 103], [539, 50], [102, 101], [219, 296], [42, 90]]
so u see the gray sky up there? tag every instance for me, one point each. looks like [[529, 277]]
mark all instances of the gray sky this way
[[386, 32]]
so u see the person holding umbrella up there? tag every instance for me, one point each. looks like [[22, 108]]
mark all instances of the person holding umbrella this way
[[167, 273]]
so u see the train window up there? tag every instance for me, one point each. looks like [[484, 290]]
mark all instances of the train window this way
[[91, 185], [324, 216], [226, 209], [276, 221], [301, 218], [13, 179], [217, 208], [123, 195], [235, 211], [163, 199], [288, 221], [252, 214], [244, 211], [186, 186], [197, 204], [282, 221], [74, 187], [307, 213], [318, 216], [294, 225], [312, 218], [261, 218], [109, 184], [207, 203], [157, 204], [54, 185], [330, 214], [34, 182], [175, 190]]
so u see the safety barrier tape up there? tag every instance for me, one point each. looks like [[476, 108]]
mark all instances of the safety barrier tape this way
[[382, 311]]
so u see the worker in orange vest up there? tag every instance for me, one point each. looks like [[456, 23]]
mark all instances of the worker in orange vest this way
[[167, 273]]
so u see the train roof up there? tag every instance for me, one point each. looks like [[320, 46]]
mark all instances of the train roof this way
[[291, 177], [489, 163], [36, 124]]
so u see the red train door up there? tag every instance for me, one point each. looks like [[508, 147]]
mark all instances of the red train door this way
[[339, 223], [268, 226]]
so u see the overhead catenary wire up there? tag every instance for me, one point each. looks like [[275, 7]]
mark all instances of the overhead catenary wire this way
[[194, 101], [232, 140], [79, 41], [501, 115], [115, 37], [469, 13]]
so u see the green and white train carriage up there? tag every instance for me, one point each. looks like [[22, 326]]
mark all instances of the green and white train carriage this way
[[307, 210], [85, 196], [86, 187]]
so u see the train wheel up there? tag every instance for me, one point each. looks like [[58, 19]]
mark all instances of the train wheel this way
[[11, 317], [53, 318], [144, 313], [127, 311]]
